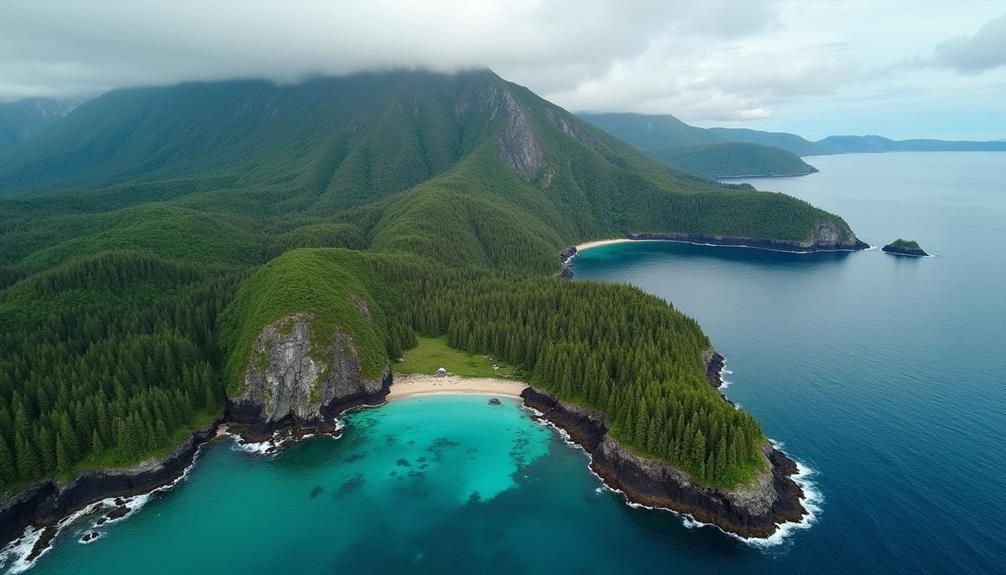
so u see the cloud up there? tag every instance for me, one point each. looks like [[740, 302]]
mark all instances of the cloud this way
[[63, 46], [973, 54], [709, 61]]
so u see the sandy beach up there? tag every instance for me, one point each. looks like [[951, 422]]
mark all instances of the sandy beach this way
[[417, 383], [596, 243]]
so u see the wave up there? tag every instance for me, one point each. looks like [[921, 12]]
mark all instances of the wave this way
[[15, 556], [811, 500], [274, 444]]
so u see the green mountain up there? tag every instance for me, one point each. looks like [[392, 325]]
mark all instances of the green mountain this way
[[154, 236], [734, 160], [656, 132], [872, 144], [782, 140], [22, 119], [652, 132], [704, 151]]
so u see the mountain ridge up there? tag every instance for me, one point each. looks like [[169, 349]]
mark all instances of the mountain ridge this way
[[671, 132], [158, 244]]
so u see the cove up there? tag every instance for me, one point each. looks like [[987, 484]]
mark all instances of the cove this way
[[881, 374]]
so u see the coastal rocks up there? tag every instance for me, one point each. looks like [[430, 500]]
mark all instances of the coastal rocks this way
[[47, 502], [752, 510], [494, 401], [904, 248], [289, 382], [566, 255], [714, 367], [828, 236]]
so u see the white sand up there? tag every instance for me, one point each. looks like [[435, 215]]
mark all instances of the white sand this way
[[596, 243], [417, 383]]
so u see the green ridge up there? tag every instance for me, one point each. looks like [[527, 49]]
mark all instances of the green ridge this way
[[148, 237]]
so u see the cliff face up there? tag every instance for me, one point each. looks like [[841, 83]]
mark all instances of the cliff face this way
[[828, 236], [518, 144], [47, 502], [289, 380], [750, 511]]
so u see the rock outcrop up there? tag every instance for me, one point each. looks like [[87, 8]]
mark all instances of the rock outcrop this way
[[47, 502], [714, 367], [902, 249], [291, 381], [828, 236], [518, 144], [753, 510]]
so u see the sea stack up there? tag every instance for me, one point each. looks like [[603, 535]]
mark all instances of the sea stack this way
[[900, 247]]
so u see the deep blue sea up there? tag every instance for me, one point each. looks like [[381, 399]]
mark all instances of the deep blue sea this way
[[881, 374]]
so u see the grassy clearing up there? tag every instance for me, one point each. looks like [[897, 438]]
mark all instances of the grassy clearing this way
[[433, 352]]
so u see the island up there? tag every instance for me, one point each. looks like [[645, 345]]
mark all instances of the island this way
[[900, 247]]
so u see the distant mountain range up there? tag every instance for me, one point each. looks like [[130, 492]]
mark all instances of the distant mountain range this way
[[659, 132], [22, 119]]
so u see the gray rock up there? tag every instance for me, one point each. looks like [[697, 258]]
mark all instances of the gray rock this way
[[518, 145], [288, 379]]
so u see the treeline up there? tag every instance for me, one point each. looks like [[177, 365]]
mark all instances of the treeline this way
[[105, 361], [611, 348]]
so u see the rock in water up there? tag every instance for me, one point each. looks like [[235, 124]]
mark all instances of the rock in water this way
[[494, 401], [901, 247]]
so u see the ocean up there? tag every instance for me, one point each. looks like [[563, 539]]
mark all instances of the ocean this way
[[881, 375]]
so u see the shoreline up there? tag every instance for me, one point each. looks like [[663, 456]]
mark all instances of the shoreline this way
[[713, 241], [45, 507], [42, 508], [779, 502], [780, 246], [413, 384]]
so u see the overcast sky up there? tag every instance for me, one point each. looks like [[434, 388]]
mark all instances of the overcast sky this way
[[901, 68]]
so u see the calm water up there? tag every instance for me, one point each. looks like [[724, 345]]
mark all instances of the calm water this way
[[882, 374]]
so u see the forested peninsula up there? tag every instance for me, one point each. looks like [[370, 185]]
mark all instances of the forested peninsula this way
[[159, 245]]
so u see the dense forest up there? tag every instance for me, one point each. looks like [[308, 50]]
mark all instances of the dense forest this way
[[610, 348], [734, 160], [146, 238]]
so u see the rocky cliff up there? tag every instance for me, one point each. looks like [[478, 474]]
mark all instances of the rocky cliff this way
[[828, 236], [47, 502], [292, 380], [753, 510]]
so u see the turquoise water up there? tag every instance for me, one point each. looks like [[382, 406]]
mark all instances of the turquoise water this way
[[882, 374]]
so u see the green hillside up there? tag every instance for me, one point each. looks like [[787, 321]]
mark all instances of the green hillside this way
[[23, 119], [714, 152], [734, 160], [652, 131], [148, 237]]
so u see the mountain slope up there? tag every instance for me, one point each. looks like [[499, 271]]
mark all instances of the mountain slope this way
[[734, 160], [652, 132], [160, 246], [702, 151], [23, 119]]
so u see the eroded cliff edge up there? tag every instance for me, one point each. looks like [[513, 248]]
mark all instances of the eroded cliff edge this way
[[293, 381], [46, 502], [827, 236], [754, 510]]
